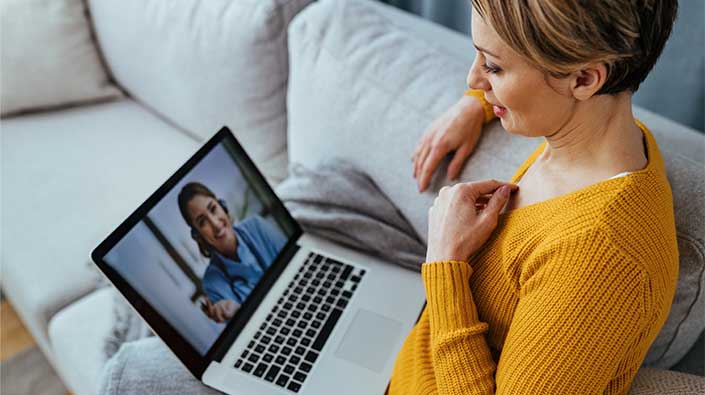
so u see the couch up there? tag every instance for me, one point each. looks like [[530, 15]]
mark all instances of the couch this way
[[297, 82]]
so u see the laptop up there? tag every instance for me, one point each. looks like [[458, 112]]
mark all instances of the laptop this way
[[247, 301]]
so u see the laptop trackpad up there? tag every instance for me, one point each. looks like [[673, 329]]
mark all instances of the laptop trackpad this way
[[369, 340]]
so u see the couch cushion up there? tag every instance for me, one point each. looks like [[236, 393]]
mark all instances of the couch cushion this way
[[77, 334], [205, 64], [65, 69], [395, 83], [69, 178]]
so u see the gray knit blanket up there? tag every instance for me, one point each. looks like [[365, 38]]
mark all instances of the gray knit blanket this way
[[335, 201]]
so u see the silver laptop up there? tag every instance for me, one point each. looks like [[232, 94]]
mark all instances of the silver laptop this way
[[248, 302]]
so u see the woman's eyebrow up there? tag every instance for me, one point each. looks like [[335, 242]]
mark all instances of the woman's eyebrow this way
[[486, 51]]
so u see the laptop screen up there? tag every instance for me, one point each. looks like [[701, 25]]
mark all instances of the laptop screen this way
[[196, 250]]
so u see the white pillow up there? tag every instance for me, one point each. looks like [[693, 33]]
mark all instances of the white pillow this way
[[48, 57], [204, 64]]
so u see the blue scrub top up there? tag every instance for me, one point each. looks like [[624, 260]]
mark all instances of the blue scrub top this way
[[259, 242]]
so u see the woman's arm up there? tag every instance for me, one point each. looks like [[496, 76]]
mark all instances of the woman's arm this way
[[486, 107], [580, 314]]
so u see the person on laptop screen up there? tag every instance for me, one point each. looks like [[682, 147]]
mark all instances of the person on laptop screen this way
[[239, 253]]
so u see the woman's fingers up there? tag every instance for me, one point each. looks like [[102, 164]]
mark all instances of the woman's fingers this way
[[489, 186], [496, 203], [461, 155], [430, 164]]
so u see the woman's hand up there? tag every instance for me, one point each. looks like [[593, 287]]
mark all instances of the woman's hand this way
[[463, 217], [457, 129], [221, 311]]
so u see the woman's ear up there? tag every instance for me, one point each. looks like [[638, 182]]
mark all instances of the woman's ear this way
[[588, 81]]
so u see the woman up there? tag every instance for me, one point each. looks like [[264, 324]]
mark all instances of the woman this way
[[567, 294], [239, 253]]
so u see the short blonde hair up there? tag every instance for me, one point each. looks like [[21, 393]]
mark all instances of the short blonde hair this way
[[560, 36]]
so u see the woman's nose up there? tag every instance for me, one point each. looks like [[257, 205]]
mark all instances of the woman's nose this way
[[475, 78]]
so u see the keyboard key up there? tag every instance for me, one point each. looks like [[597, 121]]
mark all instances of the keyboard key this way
[[247, 367], [316, 324], [308, 316], [362, 272], [332, 275], [272, 373], [282, 380], [288, 306], [282, 314], [294, 386], [260, 369], [268, 357], [257, 335], [244, 354], [347, 294], [285, 331], [290, 322], [302, 324], [330, 300], [310, 333], [342, 303], [311, 356], [289, 369], [306, 341], [327, 284], [339, 284], [322, 291], [286, 350], [335, 292], [273, 348], [306, 367], [299, 376], [327, 329], [318, 258], [316, 282], [301, 305], [259, 348], [346, 272], [335, 269], [253, 358], [325, 307], [355, 279], [294, 359], [300, 350], [320, 275], [304, 298], [271, 331], [317, 300], [320, 316], [354, 287], [279, 339], [265, 340], [238, 363], [277, 322], [280, 360], [296, 314], [297, 333], [291, 342]]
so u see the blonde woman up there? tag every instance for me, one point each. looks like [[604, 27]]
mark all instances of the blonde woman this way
[[559, 281]]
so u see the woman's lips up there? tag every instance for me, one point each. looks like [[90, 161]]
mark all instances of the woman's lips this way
[[220, 233], [498, 110]]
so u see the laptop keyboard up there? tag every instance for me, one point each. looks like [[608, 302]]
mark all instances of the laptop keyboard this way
[[286, 346]]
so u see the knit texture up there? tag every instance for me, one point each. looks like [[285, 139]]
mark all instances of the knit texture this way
[[565, 297]]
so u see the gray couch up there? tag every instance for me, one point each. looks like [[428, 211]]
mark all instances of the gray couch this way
[[360, 81]]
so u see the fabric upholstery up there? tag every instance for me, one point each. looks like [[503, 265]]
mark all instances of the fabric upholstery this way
[[77, 335], [395, 84], [205, 64], [68, 179], [48, 57], [148, 367]]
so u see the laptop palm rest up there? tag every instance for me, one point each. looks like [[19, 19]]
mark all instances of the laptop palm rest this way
[[369, 340]]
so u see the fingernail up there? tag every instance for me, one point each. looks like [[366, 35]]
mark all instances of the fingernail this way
[[504, 191]]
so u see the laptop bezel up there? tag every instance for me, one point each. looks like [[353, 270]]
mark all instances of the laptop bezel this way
[[187, 354]]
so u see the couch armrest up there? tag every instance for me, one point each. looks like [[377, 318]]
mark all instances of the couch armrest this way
[[666, 382]]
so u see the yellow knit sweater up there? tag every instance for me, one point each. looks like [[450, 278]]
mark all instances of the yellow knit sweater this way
[[565, 297]]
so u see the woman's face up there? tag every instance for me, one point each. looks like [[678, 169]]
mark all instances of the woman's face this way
[[212, 223], [520, 93]]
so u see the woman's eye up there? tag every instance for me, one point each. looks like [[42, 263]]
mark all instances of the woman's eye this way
[[490, 68]]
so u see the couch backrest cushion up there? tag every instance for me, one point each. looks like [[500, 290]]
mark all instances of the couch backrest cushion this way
[[48, 57], [203, 64], [363, 87]]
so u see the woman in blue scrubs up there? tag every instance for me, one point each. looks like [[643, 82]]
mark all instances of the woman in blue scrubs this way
[[239, 253]]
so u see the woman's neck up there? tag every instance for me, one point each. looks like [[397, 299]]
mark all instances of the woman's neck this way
[[601, 137]]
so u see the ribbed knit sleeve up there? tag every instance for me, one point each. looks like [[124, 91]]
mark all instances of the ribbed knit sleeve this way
[[487, 107], [578, 315]]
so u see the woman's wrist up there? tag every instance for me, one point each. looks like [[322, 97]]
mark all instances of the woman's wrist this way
[[485, 109]]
